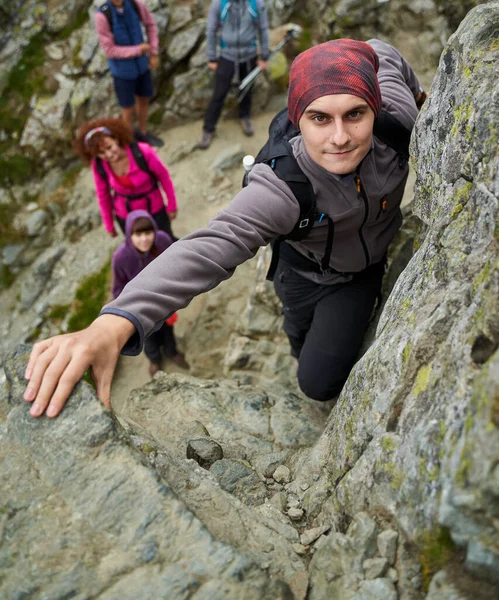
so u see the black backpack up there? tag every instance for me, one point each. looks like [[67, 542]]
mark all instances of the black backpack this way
[[106, 10], [277, 153], [143, 166]]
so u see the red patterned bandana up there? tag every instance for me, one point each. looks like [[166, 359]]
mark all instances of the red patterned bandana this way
[[335, 67]]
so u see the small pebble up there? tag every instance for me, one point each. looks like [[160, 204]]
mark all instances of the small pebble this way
[[299, 549], [315, 477], [295, 514], [304, 486], [282, 474]]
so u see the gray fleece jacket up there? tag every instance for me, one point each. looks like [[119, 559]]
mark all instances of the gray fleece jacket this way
[[238, 31], [266, 208]]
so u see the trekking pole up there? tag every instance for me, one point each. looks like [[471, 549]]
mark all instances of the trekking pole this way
[[247, 83]]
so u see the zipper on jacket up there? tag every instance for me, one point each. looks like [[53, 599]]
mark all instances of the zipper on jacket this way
[[382, 207], [362, 194]]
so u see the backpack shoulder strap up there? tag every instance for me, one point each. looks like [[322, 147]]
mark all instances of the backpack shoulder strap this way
[[253, 8], [136, 9], [224, 9], [106, 11], [140, 159], [391, 131], [100, 169]]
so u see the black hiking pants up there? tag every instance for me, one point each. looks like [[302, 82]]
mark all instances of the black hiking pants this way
[[325, 325], [223, 79], [163, 338]]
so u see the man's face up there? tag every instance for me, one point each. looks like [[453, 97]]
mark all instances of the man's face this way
[[337, 131]]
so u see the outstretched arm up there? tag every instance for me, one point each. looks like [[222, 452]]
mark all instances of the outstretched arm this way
[[195, 264]]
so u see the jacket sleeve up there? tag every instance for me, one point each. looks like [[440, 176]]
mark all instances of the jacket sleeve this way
[[104, 198], [263, 31], [158, 168], [398, 83], [106, 40], [150, 26], [212, 27], [119, 277], [201, 260]]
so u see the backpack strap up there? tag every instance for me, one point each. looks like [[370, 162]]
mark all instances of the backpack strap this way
[[101, 170], [105, 9], [225, 6], [391, 132], [140, 159]]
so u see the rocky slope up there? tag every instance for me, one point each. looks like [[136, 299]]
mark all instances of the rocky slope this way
[[228, 488]]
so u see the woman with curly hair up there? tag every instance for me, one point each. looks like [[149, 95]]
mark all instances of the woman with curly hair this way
[[127, 174]]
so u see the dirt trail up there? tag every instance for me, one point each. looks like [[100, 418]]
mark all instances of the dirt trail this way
[[199, 200]]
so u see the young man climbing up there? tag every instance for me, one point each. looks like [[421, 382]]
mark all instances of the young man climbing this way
[[130, 59], [238, 23], [328, 281]]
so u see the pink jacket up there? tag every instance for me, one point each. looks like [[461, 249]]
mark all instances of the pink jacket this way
[[110, 206], [106, 37]]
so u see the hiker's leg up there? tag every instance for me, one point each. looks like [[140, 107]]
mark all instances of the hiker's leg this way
[[152, 347], [143, 92], [142, 107], [299, 297], [122, 224], [163, 222], [245, 104], [169, 343], [125, 92], [223, 78], [333, 342]]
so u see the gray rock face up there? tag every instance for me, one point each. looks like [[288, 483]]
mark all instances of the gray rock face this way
[[93, 521], [415, 430]]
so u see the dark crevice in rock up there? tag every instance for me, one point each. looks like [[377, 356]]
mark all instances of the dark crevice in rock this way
[[483, 348]]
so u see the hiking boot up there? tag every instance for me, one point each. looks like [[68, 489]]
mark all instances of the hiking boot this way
[[205, 140], [154, 140], [154, 368], [247, 126], [179, 360]]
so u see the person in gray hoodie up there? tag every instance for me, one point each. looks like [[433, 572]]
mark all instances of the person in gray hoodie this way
[[237, 24], [336, 91]]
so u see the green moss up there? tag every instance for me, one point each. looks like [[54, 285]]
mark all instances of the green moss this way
[[456, 211], [422, 379], [467, 72], [437, 550], [388, 444], [59, 312], [89, 299], [468, 424], [156, 118], [465, 464], [482, 277], [8, 233], [15, 169], [462, 114], [76, 23], [6, 277], [405, 352], [463, 193]]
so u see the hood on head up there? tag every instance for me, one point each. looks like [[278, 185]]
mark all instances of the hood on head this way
[[130, 220]]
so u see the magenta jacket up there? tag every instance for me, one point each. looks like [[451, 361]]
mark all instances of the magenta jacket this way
[[127, 261], [110, 206]]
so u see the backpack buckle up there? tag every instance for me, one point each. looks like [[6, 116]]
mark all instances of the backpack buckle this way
[[303, 223], [327, 271]]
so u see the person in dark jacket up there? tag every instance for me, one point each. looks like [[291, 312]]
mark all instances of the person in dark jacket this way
[[144, 242], [336, 91], [130, 58], [238, 23]]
